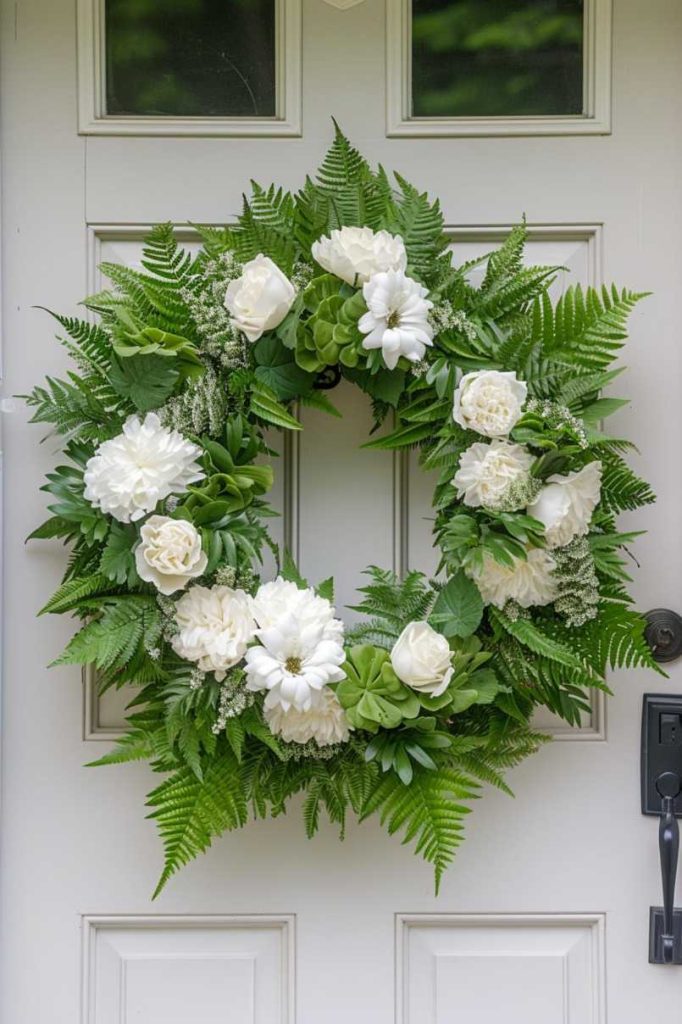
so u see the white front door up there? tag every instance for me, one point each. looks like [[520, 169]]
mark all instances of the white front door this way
[[160, 110]]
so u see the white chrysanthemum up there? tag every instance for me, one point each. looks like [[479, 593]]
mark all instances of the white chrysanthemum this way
[[489, 402], [396, 320], [324, 722], [130, 474], [566, 503], [529, 582], [294, 660], [169, 554], [355, 254], [215, 627], [486, 471], [280, 597]]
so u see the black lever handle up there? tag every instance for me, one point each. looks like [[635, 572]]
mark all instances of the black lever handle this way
[[669, 846], [665, 934]]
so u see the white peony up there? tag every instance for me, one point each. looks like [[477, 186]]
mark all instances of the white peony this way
[[324, 722], [259, 300], [422, 659], [301, 646], [396, 320], [530, 583], [566, 503], [215, 628], [280, 597], [489, 402], [486, 471], [169, 554], [130, 474], [355, 254]]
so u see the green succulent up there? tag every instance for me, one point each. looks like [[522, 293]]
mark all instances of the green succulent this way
[[330, 334], [397, 750], [371, 694]]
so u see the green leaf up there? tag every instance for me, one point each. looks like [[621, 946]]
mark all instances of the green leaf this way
[[459, 607], [326, 589], [71, 593], [279, 371], [118, 560], [264, 404], [146, 380]]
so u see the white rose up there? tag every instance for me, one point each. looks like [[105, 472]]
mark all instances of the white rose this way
[[215, 628], [355, 254], [486, 471], [489, 402], [566, 503], [169, 554], [422, 659], [529, 582], [259, 300]]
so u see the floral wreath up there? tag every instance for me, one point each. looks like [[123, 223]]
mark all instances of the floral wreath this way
[[251, 691]]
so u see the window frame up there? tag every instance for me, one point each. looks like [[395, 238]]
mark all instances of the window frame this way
[[91, 61], [596, 120]]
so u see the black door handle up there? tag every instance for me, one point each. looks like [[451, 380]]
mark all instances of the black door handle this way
[[665, 923]]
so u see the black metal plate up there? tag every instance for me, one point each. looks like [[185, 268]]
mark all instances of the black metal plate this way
[[655, 930], [661, 746]]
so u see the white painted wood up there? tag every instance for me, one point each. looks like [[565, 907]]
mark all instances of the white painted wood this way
[[596, 119], [94, 120], [572, 848]]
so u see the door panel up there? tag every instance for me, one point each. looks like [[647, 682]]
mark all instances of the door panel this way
[[544, 915]]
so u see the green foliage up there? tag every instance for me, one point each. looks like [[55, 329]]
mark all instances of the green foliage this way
[[389, 604], [459, 608], [371, 694]]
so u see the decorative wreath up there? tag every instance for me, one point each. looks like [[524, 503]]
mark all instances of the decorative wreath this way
[[251, 691]]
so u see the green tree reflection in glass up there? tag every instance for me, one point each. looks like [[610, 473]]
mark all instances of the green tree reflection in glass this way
[[488, 58], [186, 58]]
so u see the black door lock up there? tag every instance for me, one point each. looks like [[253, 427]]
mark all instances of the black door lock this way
[[662, 795]]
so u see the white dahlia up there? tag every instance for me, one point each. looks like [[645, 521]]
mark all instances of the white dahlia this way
[[293, 661], [278, 598], [486, 471], [169, 554], [324, 722], [130, 474], [566, 503], [215, 628], [396, 320], [355, 254], [489, 402], [529, 582]]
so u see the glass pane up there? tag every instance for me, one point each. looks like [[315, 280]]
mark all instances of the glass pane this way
[[496, 58], [190, 58]]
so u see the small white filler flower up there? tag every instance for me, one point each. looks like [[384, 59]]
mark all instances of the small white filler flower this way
[[396, 320]]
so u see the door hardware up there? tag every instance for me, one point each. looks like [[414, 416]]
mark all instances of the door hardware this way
[[661, 747], [663, 634]]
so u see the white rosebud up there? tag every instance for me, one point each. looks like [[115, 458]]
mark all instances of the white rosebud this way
[[422, 659], [528, 581], [215, 628], [259, 300], [489, 402], [169, 554], [324, 722], [396, 320], [486, 472], [131, 473], [355, 254], [566, 503]]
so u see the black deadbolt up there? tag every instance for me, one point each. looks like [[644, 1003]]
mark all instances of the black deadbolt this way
[[663, 634]]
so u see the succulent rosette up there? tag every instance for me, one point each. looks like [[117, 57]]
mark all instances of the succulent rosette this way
[[251, 689]]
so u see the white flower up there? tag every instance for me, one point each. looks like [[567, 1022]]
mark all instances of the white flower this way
[[215, 627], [422, 659], [301, 646], [486, 471], [280, 597], [259, 300], [130, 474], [169, 554], [566, 503], [489, 402], [355, 254], [529, 583], [324, 722], [396, 320]]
